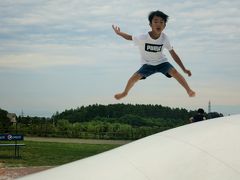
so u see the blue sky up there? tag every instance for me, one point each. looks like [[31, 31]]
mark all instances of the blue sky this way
[[62, 54]]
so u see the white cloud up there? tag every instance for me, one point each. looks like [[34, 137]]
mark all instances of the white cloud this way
[[30, 61]]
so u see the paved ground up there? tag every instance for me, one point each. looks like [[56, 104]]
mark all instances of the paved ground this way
[[13, 173], [72, 140]]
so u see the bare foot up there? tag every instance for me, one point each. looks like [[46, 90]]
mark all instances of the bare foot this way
[[120, 95], [191, 93]]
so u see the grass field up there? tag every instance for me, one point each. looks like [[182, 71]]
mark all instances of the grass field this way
[[50, 153]]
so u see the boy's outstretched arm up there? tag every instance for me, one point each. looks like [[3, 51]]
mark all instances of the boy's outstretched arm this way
[[179, 62], [122, 34]]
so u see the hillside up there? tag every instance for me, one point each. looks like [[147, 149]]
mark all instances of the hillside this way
[[113, 121]]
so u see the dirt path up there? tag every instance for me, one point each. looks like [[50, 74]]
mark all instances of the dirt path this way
[[12, 173], [72, 140]]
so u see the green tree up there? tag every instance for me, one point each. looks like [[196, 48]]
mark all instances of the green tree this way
[[5, 123]]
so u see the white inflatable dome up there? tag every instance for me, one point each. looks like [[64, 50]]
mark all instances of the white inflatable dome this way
[[207, 150]]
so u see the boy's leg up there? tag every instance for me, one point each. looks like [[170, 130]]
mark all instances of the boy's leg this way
[[135, 77], [173, 72]]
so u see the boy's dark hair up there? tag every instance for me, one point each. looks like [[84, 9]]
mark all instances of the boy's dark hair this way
[[159, 14]]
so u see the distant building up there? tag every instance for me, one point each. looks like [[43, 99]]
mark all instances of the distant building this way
[[12, 117]]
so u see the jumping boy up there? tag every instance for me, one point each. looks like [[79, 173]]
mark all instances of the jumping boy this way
[[153, 60]]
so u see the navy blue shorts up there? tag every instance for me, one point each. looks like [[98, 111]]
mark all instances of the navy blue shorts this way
[[147, 70]]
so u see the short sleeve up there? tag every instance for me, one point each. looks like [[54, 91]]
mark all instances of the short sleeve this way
[[137, 40], [167, 43]]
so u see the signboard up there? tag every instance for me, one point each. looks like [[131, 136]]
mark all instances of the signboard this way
[[11, 137]]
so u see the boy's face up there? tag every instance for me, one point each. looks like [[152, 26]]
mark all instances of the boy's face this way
[[157, 24]]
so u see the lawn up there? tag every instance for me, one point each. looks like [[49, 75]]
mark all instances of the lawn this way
[[50, 153]]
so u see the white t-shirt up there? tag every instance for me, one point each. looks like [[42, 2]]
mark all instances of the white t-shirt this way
[[151, 49]]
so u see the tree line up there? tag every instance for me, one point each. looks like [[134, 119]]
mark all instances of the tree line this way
[[113, 121]]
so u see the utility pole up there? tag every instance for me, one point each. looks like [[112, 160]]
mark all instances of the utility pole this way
[[22, 114], [209, 106]]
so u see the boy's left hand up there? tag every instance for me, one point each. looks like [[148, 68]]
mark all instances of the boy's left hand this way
[[116, 29], [188, 72]]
